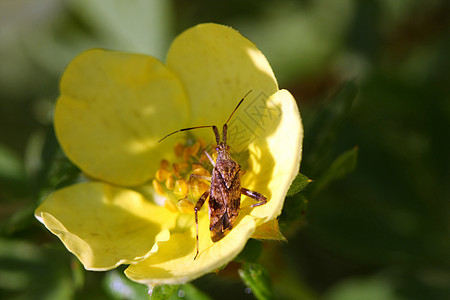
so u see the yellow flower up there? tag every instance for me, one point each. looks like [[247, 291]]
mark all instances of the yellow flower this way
[[113, 109]]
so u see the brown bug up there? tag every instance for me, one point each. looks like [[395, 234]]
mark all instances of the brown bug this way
[[225, 191]]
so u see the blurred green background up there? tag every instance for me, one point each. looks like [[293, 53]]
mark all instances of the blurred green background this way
[[371, 74]]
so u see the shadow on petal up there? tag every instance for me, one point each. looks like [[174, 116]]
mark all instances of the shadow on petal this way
[[103, 225], [218, 66], [175, 263], [113, 109]]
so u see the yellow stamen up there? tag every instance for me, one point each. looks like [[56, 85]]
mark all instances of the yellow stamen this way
[[170, 183], [202, 143], [162, 174], [194, 149], [164, 164], [200, 170], [198, 189], [158, 188], [179, 149], [186, 154], [173, 180], [170, 206], [186, 206], [181, 187], [180, 168]]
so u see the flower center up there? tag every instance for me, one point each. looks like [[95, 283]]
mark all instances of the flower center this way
[[174, 181]]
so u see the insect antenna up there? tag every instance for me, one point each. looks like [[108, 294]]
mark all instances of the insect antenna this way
[[216, 132], [185, 129], [238, 106], [225, 126]]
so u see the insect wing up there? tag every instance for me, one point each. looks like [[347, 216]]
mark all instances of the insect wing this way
[[224, 203]]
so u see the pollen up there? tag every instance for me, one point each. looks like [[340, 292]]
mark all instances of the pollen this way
[[175, 181]]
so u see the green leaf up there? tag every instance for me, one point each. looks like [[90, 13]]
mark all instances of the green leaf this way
[[191, 292], [371, 288], [116, 25], [340, 167], [164, 291], [12, 174], [119, 286], [48, 167], [323, 128], [28, 271], [299, 184], [251, 253], [257, 279], [18, 220], [293, 214], [78, 273], [11, 166]]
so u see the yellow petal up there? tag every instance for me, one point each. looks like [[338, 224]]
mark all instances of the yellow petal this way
[[274, 154], [113, 109], [218, 66], [103, 225], [174, 262]]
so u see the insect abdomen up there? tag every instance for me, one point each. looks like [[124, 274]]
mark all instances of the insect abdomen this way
[[224, 203]]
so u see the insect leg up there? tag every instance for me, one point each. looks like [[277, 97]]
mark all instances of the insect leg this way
[[198, 206], [198, 176], [255, 195], [209, 157]]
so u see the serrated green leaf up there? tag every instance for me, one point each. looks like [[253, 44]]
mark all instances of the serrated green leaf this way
[[340, 167], [269, 230], [164, 291], [299, 184], [257, 279]]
